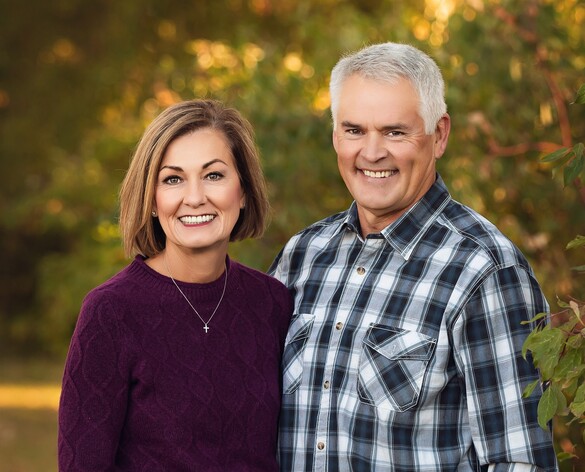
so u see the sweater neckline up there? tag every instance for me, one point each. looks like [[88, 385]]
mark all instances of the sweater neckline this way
[[150, 279]]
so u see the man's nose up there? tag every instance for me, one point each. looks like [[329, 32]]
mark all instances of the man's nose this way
[[374, 148]]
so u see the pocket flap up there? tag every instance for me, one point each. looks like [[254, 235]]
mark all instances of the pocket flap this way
[[394, 343], [300, 328]]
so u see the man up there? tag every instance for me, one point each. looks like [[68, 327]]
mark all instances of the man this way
[[405, 350]]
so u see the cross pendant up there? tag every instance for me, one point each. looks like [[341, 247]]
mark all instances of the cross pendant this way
[[206, 328]]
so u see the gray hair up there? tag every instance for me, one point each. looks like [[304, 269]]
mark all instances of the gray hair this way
[[389, 62]]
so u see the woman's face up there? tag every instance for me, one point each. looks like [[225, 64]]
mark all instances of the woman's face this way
[[198, 194]]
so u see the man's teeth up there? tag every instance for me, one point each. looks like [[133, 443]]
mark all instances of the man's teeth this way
[[196, 220], [379, 175]]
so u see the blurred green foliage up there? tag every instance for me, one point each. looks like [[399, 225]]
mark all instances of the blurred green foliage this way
[[80, 80]]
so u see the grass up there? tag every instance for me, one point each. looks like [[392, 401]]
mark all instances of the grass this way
[[29, 397]]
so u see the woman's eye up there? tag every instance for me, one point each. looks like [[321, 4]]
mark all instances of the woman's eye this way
[[214, 176], [172, 180]]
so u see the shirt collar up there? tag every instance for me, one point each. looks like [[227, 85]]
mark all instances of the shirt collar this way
[[404, 233]]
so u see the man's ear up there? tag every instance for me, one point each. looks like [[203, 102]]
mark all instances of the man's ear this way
[[442, 135]]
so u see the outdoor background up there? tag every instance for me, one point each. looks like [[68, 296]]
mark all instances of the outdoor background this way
[[80, 80]]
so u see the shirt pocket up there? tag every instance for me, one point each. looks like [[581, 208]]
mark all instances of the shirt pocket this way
[[294, 350], [393, 364]]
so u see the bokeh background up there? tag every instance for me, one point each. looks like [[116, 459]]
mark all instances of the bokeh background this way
[[80, 80]]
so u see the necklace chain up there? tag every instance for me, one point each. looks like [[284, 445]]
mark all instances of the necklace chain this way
[[205, 323]]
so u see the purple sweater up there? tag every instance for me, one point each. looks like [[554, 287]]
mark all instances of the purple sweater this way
[[146, 389]]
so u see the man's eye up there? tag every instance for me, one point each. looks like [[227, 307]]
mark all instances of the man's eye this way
[[353, 131]]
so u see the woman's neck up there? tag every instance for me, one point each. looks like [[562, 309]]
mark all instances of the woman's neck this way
[[189, 267]]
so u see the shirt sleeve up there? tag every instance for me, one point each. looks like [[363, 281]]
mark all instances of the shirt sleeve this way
[[488, 338], [94, 392], [275, 268]]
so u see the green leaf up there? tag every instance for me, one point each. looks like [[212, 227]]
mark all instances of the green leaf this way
[[577, 242], [572, 170], [561, 303], [556, 156], [530, 388], [580, 393], [567, 368], [578, 408], [578, 268], [578, 149], [580, 98], [546, 346], [570, 387], [547, 407], [539, 316], [531, 341], [575, 341], [561, 399], [563, 456]]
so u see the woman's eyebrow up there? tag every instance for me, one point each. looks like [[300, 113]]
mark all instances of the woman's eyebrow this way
[[205, 166]]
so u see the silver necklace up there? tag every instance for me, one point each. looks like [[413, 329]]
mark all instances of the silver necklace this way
[[205, 323]]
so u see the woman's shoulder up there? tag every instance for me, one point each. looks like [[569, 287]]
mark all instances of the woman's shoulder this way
[[134, 280], [264, 294], [258, 286], [252, 275]]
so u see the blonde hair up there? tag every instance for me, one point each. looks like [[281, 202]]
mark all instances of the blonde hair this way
[[141, 232]]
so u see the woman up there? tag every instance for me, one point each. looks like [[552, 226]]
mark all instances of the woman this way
[[174, 362]]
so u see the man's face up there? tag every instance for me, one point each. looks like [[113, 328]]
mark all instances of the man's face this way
[[384, 156]]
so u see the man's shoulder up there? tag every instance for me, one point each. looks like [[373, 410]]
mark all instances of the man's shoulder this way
[[477, 231], [325, 227]]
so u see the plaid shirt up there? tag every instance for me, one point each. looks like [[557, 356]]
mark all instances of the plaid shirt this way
[[404, 353]]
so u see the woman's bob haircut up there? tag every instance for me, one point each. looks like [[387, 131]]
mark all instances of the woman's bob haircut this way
[[141, 232]]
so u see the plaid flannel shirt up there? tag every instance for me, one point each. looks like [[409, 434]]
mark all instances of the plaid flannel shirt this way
[[404, 352]]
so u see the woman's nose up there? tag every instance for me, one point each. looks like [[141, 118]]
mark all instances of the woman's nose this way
[[195, 194]]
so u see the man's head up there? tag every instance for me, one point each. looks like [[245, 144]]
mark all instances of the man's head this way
[[386, 149], [387, 62]]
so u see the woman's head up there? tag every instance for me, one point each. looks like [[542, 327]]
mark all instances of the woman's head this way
[[141, 232]]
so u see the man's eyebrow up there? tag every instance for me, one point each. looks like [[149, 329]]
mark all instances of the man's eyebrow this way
[[389, 127], [394, 126], [349, 124]]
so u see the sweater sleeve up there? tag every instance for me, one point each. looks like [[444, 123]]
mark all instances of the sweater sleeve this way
[[94, 391]]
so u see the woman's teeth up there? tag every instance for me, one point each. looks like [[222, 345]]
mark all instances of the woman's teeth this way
[[195, 220]]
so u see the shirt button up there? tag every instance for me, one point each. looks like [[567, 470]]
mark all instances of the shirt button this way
[[320, 446], [326, 385], [338, 325], [361, 270]]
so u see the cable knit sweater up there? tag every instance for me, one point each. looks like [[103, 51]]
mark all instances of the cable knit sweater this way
[[146, 389]]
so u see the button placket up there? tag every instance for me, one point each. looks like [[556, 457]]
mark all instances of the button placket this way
[[355, 280]]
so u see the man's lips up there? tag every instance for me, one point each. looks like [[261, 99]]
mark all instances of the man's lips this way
[[379, 174]]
